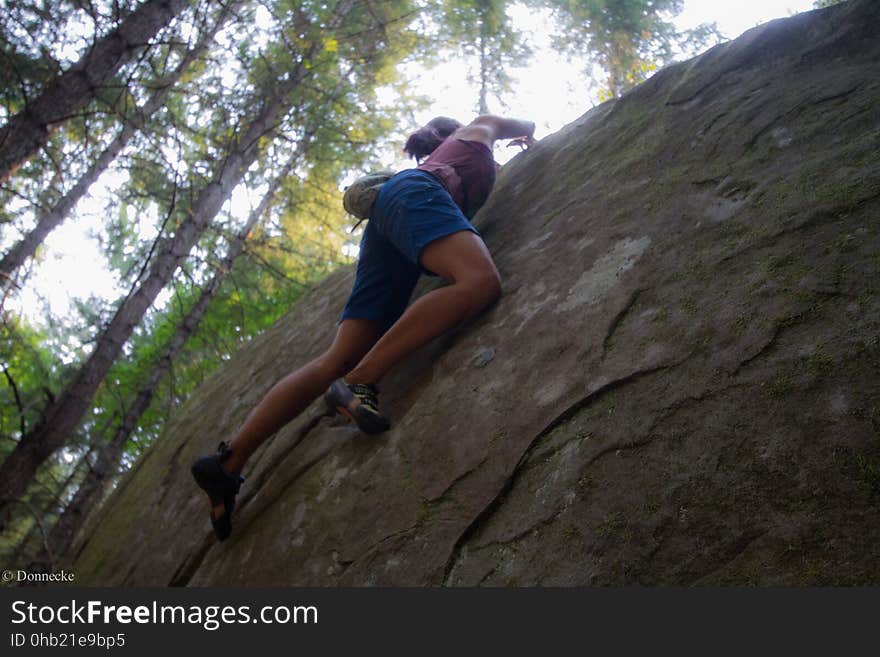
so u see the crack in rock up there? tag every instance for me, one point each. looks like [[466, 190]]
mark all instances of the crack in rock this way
[[490, 508]]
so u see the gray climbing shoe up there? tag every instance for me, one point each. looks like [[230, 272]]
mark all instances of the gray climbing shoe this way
[[359, 402]]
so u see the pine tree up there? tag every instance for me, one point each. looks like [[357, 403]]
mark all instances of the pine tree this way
[[628, 39], [54, 216], [61, 417], [484, 32], [29, 129], [91, 490]]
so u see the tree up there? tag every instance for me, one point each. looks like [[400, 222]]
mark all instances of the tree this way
[[24, 550], [30, 128], [61, 416], [483, 30], [628, 39], [52, 217], [91, 490], [318, 49]]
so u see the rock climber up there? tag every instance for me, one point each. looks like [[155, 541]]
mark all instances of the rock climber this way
[[418, 224]]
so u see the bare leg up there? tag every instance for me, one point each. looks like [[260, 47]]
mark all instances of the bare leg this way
[[462, 258], [292, 394]]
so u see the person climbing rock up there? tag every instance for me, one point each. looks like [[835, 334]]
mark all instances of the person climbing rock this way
[[418, 224]]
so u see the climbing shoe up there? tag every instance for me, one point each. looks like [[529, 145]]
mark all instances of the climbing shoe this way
[[220, 486], [358, 402]]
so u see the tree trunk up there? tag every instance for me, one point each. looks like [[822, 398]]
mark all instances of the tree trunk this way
[[30, 129], [49, 220], [62, 416], [484, 75], [22, 554], [91, 491]]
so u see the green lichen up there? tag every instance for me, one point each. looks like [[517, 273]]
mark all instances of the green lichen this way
[[572, 533], [689, 306], [651, 506], [846, 243], [780, 385], [611, 525], [868, 472], [819, 363], [742, 323]]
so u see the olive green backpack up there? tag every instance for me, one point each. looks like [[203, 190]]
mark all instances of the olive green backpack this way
[[360, 195]]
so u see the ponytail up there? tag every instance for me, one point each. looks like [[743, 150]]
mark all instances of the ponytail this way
[[422, 142], [425, 140]]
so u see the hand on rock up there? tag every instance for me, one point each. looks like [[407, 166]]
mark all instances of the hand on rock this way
[[523, 142]]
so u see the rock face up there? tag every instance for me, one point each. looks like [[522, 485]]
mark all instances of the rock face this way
[[679, 385]]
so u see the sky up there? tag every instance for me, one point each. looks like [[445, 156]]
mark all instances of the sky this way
[[551, 91]]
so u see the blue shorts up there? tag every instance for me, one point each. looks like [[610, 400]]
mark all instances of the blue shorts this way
[[412, 210]]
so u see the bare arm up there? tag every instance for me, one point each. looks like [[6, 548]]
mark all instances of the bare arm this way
[[488, 128]]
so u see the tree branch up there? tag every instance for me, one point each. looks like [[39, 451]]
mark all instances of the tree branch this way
[[18, 403]]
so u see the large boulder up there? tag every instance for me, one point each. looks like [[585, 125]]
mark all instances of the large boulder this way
[[679, 385]]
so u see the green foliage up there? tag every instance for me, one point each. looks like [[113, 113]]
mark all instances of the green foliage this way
[[334, 122], [28, 369], [29, 374], [485, 34], [332, 129], [628, 39]]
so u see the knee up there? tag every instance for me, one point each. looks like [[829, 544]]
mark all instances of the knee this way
[[486, 288], [493, 288]]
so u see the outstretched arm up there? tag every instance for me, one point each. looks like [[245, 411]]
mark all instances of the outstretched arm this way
[[488, 128]]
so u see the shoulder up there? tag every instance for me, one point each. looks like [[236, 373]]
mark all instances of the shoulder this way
[[483, 129]]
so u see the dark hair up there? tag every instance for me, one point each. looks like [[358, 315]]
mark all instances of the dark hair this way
[[424, 140]]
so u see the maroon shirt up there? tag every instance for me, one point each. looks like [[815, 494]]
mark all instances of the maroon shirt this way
[[466, 169]]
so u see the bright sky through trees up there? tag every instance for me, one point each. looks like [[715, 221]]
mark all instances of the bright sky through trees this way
[[550, 90]]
